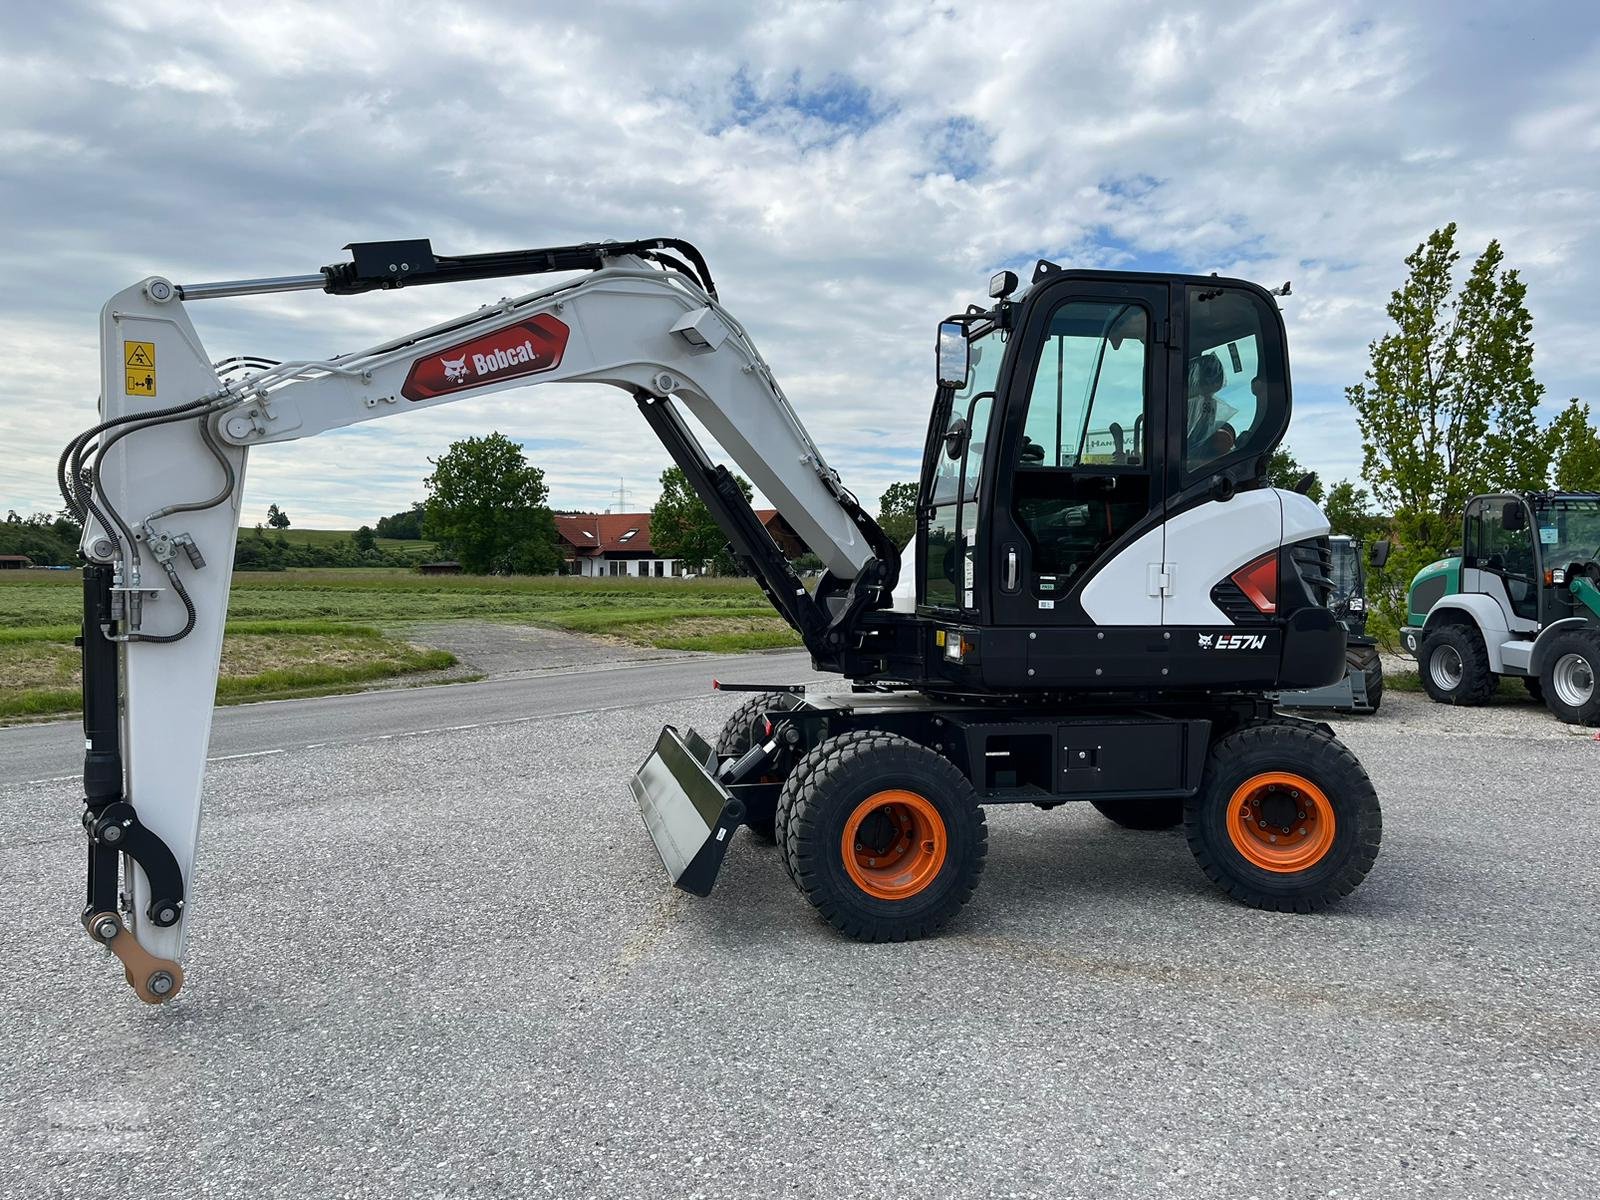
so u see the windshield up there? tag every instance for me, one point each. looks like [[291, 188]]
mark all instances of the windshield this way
[[1346, 569], [1569, 530]]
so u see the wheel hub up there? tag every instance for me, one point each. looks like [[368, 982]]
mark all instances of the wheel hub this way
[[1446, 668], [894, 844], [1280, 822], [1573, 680]]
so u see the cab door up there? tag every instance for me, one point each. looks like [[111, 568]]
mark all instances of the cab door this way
[[1075, 521]]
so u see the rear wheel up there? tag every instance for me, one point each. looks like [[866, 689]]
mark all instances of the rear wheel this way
[[740, 733], [1142, 814], [1571, 669], [1285, 818], [883, 836], [1455, 666]]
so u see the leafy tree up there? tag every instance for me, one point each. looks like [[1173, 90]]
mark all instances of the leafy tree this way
[[365, 539], [486, 505], [1347, 511], [1447, 407], [681, 526], [897, 512], [276, 517], [1574, 447], [403, 526], [1284, 471], [49, 540]]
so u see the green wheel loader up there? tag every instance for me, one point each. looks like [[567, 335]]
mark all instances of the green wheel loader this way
[[1521, 599]]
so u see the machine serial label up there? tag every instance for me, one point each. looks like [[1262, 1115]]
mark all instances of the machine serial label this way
[[525, 348], [1233, 641], [139, 368]]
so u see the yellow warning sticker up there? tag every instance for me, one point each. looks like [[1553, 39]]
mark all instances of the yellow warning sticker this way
[[139, 364]]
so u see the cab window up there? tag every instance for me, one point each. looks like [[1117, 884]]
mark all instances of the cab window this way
[[1080, 472], [1235, 381], [948, 559]]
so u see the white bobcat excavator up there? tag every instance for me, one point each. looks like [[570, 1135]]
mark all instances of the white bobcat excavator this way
[[1102, 593]]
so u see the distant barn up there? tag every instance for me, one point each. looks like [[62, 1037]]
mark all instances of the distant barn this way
[[440, 568], [14, 562]]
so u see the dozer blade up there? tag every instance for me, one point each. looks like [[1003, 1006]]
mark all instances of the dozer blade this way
[[690, 815]]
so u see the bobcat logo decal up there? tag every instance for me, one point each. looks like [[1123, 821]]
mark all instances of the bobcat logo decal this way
[[1205, 641], [455, 369]]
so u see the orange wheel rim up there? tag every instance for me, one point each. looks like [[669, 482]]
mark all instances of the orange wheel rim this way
[[894, 844], [1281, 822]]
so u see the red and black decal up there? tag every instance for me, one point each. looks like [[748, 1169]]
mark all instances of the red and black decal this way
[[525, 348]]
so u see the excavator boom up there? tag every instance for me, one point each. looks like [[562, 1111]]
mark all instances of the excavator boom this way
[[158, 483]]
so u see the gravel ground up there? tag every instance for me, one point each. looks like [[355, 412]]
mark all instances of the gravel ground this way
[[448, 964]]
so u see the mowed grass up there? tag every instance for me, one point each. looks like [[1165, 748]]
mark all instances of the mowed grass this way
[[422, 551], [316, 630]]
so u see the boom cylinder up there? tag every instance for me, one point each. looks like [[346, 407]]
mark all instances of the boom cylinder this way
[[102, 749]]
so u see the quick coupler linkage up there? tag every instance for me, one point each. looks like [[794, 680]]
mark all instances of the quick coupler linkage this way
[[109, 820]]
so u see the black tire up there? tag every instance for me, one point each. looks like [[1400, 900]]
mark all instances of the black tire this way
[[739, 734], [1535, 688], [836, 781], [1445, 649], [1571, 677], [1292, 753], [1142, 814]]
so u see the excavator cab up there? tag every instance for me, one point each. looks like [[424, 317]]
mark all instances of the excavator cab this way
[[1094, 494]]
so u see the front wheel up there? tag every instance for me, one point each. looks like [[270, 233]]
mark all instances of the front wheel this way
[[1285, 818], [1455, 666], [883, 836], [1571, 667], [740, 733]]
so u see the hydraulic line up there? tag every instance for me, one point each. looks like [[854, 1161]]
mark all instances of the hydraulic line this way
[[80, 493]]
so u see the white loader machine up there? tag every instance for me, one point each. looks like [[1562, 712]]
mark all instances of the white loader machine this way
[[1104, 589]]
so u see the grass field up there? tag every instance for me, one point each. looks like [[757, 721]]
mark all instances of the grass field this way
[[312, 631], [422, 551]]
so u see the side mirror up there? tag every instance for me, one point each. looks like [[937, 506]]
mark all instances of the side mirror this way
[[1380, 553], [955, 438], [953, 355]]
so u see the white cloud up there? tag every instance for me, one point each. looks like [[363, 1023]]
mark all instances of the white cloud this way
[[852, 172]]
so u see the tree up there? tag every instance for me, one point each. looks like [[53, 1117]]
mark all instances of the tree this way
[[365, 539], [681, 526], [1574, 448], [276, 517], [1447, 406], [403, 526], [486, 506], [897, 513], [48, 540], [1284, 471], [1346, 508]]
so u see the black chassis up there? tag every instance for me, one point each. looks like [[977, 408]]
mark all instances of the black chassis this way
[[1043, 750]]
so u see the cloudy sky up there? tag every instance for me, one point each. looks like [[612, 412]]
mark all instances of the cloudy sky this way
[[853, 172]]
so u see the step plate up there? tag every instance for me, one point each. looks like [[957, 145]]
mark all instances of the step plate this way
[[689, 814]]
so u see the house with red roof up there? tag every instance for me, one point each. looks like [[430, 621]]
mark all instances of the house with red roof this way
[[618, 544]]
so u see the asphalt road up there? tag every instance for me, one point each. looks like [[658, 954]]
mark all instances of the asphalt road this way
[[435, 955]]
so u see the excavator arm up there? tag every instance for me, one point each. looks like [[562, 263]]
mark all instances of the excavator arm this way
[[158, 480]]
